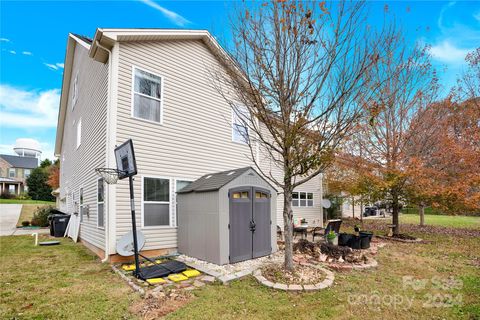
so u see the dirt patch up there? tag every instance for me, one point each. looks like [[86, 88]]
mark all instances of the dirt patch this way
[[160, 304], [301, 274]]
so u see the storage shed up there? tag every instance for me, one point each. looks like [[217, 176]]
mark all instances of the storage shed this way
[[227, 217]]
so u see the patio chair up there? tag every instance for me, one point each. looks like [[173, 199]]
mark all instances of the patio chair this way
[[322, 232]]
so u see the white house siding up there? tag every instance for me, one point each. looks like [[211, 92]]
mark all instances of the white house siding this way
[[195, 137], [77, 165]]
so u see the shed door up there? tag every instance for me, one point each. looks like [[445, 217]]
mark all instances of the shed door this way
[[261, 245], [250, 226], [240, 224]]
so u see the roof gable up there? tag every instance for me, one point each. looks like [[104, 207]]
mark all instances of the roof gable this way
[[20, 162]]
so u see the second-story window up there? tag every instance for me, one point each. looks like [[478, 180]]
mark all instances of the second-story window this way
[[147, 96], [11, 172], [27, 173], [239, 125], [75, 91]]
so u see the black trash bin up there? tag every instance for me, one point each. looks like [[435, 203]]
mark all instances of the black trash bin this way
[[365, 238], [58, 224]]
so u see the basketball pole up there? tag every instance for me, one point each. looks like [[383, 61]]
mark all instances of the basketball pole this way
[[134, 227]]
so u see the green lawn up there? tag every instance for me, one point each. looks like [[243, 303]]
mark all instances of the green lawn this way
[[442, 220], [27, 212], [66, 282], [15, 201], [59, 282]]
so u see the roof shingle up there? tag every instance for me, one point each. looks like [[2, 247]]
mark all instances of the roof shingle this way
[[213, 181], [20, 162]]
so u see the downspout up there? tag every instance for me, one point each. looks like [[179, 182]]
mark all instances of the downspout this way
[[107, 225]]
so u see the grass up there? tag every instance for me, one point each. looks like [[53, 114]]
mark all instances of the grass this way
[[27, 212], [433, 262], [58, 282], [66, 281], [15, 201], [445, 221]]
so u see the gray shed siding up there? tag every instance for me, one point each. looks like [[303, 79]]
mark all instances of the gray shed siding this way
[[77, 165], [203, 219]]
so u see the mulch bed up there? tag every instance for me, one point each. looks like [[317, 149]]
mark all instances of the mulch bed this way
[[412, 228], [302, 274]]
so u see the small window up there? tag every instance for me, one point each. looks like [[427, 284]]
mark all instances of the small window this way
[[79, 133], [240, 195], [260, 195], [147, 96], [75, 91], [156, 202], [302, 199], [11, 188], [295, 199], [11, 172], [100, 203], [27, 173], [239, 126]]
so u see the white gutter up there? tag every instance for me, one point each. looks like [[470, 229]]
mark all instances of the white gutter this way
[[106, 218]]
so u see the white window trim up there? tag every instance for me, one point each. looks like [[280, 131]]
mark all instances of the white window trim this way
[[75, 91], [14, 172], [306, 199], [132, 95], [25, 173], [233, 127], [98, 202], [79, 137], [170, 209], [175, 197]]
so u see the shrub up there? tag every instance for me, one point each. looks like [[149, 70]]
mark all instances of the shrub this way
[[7, 195], [25, 223], [23, 196], [40, 217]]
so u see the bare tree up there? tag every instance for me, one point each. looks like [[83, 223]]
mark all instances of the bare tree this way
[[297, 71], [387, 140]]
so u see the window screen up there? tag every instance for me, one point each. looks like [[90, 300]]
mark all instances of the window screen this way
[[156, 202], [147, 96]]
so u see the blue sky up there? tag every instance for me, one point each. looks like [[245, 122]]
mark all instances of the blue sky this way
[[33, 36]]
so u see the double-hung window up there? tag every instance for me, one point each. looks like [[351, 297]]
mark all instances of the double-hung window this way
[[27, 173], [156, 202], [239, 127], [302, 199], [147, 96], [100, 203], [79, 133], [11, 172], [75, 91]]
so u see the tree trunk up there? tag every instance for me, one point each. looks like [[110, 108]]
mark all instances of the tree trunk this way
[[421, 211], [395, 213], [288, 228]]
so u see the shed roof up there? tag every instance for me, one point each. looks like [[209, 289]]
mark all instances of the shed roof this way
[[214, 181], [20, 162]]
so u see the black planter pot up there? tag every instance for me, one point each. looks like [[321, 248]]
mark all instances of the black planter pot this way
[[355, 242], [365, 238], [344, 239]]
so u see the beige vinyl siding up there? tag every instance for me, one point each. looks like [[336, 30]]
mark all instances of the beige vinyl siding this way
[[77, 165], [194, 138]]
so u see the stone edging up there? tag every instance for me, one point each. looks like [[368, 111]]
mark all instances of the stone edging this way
[[328, 282], [129, 281], [417, 240], [351, 266]]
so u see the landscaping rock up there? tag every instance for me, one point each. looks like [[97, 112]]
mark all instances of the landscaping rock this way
[[280, 286], [295, 287], [208, 279], [198, 284]]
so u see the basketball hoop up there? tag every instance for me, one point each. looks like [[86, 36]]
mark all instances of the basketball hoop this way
[[109, 175]]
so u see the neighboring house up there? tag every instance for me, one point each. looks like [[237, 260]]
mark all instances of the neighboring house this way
[[14, 170], [351, 206], [153, 86]]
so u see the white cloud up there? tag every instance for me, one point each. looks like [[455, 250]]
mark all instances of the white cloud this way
[[476, 16], [4, 40], [27, 53], [170, 15], [54, 66], [448, 53], [21, 109], [12, 52]]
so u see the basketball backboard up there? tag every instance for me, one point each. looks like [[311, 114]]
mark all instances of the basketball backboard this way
[[125, 158]]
